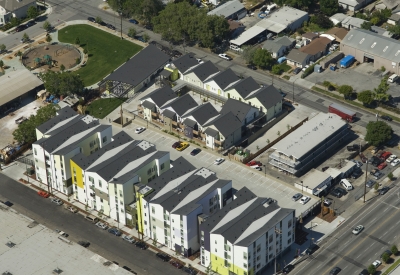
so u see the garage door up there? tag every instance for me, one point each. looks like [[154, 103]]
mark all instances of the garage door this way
[[368, 56]]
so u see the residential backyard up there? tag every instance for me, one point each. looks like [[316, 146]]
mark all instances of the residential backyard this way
[[106, 51], [101, 107]]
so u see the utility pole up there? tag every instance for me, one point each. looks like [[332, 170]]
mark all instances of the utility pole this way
[[365, 182], [120, 14]]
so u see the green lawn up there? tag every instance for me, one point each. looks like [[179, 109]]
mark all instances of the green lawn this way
[[101, 107], [106, 51]]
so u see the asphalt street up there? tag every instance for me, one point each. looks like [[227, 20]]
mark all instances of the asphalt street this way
[[28, 202], [352, 253]]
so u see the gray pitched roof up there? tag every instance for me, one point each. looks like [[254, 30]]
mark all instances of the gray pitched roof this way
[[211, 132], [297, 56], [239, 219], [189, 122], [246, 86], [13, 5], [269, 96], [168, 113], [117, 140], [140, 67], [395, 17], [61, 116], [373, 44], [204, 112], [238, 108], [227, 123], [185, 62], [284, 40], [225, 78], [205, 70], [161, 96], [149, 105], [227, 9], [272, 46], [182, 104]]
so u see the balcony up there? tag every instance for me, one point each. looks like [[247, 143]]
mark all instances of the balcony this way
[[154, 115], [92, 195], [140, 107]]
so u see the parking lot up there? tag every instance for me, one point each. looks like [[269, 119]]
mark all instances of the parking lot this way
[[367, 77]]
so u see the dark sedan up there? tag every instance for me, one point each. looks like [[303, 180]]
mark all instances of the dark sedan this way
[[176, 144], [370, 183], [384, 190], [133, 21], [176, 264], [141, 245], [83, 243], [91, 19], [8, 203], [20, 28], [195, 151], [110, 26], [189, 270], [252, 67], [30, 23], [164, 257], [357, 173], [387, 118], [297, 70], [115, 232], [287, 269], [336, 193], [335, 271]]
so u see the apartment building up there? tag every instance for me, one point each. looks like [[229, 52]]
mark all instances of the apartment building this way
[[105, 180], [246, 235], [61, 138], [169, 206]]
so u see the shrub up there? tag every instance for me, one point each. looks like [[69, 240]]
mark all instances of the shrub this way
[[394, 250]]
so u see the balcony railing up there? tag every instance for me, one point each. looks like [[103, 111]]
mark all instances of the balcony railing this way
[[140, 107]]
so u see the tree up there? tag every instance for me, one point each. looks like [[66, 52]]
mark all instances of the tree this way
[[77, 41], [19, 54], [394, 29], [385, 257], [381, 90], [2, 48], [1, 64], [47, 26], [371, 269], [378, 132], [390, 176], [25, 37], [132, 32], [32, 12], [248, 53], [328, 85], [366, 97], [48, 39], [322, 20], [376, 186], [62, 83], [26, 131], [329, 7], [146, 37], [366, 25], [98, 20], [143, 10], [394, 250], [262, 58], [62, 68], [346, 91], [15, 21], [276, 69]]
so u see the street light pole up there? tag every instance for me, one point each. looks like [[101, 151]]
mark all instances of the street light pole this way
[[365, 181]]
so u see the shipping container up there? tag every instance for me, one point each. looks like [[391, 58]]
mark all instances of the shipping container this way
[[341, 111]]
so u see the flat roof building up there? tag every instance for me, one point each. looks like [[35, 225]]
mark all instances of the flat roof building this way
[[300, 149], [230, 10]]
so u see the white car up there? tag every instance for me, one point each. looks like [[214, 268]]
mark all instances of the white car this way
[[218, 161], [225, 56], [56, 201], [376, 263], [391, 158], [129, 239], [61, 233], [139, 130], [304, 199], [102, 225], [358, 229], [72, 209], [395, 162]]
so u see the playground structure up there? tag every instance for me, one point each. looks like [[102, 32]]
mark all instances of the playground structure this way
[[51, 57]]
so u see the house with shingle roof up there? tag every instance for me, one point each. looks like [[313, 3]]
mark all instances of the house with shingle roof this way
[[221, 81], [279, 46], [14, 8], [154, 101], [200, 74], [317, 48]]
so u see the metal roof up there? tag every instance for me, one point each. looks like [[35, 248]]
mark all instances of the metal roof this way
[[227, 9], [373, 44], [281, 19], [247, 35], [309, 135]]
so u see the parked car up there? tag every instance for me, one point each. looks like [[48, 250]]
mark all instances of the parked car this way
[[327, 202], [182, 146], [335, 270], [370, 183], [141, 245], [395, 162], [101, 225], [195, 151], [43, 194], [357, 173], [139, 130], [338, 192], [387, 251], [382, 166], [61, 233], [287, 268], [71, 208], [391, 158], [378, 175], [296, 196], [297, 70], [189, 270], [129, 239], [8, 203], [383, 190], [311, 249], [305, 199], [30, 24], [251, 67], [225, 56], [387, 118], [364, 272], [84, 243], [357, 229], [133, 21], [176, 264], [91, 19], [176, 144], [56, 201], [357, 162], [164, 257], [218, 161], [376, 263], [115, 232], [20, 28], [253, 162], [110, 26]]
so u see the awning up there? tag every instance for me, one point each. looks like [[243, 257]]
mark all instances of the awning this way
[[165, 73], [316, 193]]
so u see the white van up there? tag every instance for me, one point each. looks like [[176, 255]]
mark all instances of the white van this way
[[346, 184], [92, 218], [393, 78]]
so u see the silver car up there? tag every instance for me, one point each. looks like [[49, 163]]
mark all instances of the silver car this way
[[102, 225], [296, 197], [57, 201], [129, 239]]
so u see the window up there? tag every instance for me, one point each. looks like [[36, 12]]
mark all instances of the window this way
[[162, 166], [245, 255], [289, 241], [36, 160], [100, 183], [153, 210], [101, 200], [120, 193], [91, 179], [244, 265], [153, 219], [105, 139], [149, 171], [289, 224], [215, 250], [35, 151]]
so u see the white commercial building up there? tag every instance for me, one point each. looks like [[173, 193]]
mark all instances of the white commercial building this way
[[315, 182]]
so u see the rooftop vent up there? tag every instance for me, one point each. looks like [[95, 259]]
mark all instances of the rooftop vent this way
[[10, 244], [7, 273], [384, 50], [108, 263], [57, 271], [373, 45], [362, 40]]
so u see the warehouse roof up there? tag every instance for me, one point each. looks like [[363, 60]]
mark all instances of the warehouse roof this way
[[279, 20], [373, 44], [227, 9], [315, 178], [309, 135], [248, 35]]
